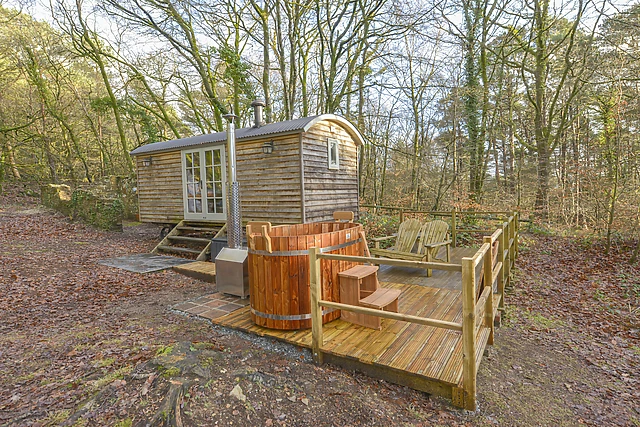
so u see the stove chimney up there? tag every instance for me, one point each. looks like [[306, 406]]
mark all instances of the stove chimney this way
[[232, 270], [258, 105]]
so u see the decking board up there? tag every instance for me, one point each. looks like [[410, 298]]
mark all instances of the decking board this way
[[422, 357]]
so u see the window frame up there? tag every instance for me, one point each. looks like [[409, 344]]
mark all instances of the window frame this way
[[331, 164]]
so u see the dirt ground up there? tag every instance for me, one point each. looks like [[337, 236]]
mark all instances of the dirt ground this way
[[84, 344]]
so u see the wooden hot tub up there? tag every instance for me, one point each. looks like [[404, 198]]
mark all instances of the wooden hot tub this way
[[279, 270]]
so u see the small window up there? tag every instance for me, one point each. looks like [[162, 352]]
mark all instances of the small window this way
[[333, 151]]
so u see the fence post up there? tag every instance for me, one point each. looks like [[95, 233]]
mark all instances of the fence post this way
[[501, 275], [468, 333], [401, 215], [506, 264], [488, 283], [315, 282], [516, 214], [512, 247], [454, 233]]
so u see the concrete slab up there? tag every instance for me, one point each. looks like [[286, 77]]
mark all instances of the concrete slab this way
[[144, 263]]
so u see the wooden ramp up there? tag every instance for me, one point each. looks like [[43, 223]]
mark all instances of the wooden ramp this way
[[201, 270], [422, 357]]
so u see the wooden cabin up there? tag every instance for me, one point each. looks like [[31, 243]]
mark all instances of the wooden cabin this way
[[289, 172]]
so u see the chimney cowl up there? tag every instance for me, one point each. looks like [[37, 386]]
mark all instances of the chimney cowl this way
[[258, 105]]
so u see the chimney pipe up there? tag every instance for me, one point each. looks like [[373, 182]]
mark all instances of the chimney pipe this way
[[258, 105], [234, 221]]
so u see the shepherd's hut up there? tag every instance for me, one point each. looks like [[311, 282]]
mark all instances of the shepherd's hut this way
[[289, 172]]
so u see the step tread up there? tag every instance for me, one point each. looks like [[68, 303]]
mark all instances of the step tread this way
[[190, 239], [189, 228], [180, 250]]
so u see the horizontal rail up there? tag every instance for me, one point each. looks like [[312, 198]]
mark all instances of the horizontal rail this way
[[394, 316], [391, 208], [485, 212], [496, 272], [480, 304], [394, 262], [439, 213], [496, 235], [472, 230], [448, 213], [477, 257]]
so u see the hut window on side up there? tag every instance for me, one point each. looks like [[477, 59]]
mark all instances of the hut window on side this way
[[333, 150]]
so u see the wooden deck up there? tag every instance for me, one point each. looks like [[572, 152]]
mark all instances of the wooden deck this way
[[436, 340], [415, 276], [421, 357]]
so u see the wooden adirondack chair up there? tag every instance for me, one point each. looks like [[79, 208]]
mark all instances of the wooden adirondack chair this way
[[433, 236], [404, 241]]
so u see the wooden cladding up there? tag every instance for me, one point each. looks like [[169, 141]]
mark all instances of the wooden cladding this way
[[293, 184], [160, 188], [327, 190], [270, 183]]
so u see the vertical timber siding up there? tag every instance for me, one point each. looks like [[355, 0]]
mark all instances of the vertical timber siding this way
[[160, 188], [270, 183], [327, 190]]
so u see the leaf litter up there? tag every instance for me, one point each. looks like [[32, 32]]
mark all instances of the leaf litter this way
[[87, 344]]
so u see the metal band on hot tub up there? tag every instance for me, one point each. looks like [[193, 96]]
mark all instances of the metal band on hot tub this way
[[304, 252], [288, 316]]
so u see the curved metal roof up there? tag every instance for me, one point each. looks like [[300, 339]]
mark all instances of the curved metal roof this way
[[273, 129]]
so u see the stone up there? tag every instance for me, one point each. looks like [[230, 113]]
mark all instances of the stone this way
[[238, 394]]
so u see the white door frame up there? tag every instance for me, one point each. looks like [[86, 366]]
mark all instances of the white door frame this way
[[202, 203]]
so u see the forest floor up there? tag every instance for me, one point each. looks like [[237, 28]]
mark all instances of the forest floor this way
[[85, 344]]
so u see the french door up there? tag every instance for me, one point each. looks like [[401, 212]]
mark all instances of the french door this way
[[203, 178]]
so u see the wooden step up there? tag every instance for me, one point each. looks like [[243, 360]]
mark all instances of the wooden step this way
[[359, 271], [189, 239], [179, 250], [201, 229], [203, 224], [203, 221], [381, 298]]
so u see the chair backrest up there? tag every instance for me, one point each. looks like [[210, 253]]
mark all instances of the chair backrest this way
[[432, 232], [407, 235], [343, 216]]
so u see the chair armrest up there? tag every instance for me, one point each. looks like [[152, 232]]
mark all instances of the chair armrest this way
[[377, 240], [435, 245], [380, 239]]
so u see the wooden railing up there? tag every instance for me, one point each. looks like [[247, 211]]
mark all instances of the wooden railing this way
[[484, 277], [455, 215]]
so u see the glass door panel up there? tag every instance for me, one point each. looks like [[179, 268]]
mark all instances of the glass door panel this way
[[204, 188], [214, 181], [193, 182]]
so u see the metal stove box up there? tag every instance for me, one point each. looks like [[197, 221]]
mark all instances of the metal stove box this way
[[232, 272]]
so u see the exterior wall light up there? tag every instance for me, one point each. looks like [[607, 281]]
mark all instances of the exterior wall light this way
[[267, 147], [148, 161]]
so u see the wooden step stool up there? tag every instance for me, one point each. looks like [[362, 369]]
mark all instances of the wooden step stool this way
[[359, 286]]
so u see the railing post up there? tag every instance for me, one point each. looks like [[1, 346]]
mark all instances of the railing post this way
[[516, 214], [488, 283], [501, 275], [315, 282], [454, 233], [512, 248], [468, 333], [401, 215], [507, 259]]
